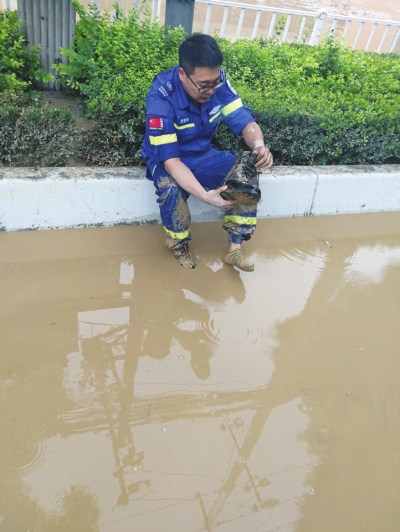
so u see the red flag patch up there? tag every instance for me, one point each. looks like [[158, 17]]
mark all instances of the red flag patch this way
[[155, 123]]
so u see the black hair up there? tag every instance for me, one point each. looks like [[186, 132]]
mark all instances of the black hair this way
[[199, 50]]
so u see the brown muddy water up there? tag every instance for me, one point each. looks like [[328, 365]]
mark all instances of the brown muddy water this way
[[136, 395]]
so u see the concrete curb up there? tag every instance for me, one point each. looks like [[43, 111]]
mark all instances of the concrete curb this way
[[55, 198]]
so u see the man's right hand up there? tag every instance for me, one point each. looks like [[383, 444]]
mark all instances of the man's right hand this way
[[213, 197]]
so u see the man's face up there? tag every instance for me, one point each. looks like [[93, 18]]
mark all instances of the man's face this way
[[201, 77]]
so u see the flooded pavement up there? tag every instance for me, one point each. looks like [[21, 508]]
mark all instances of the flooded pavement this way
[[136, 395]]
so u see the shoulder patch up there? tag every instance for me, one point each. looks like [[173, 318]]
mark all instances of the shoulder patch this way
[[155, 123]]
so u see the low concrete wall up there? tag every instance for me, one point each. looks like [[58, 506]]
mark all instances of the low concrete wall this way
[[52, 198]]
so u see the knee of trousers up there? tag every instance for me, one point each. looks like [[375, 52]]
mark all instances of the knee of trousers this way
[[174, 211]]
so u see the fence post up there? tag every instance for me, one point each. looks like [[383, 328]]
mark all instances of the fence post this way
[[179, 13], [316, 32], [50, 23]]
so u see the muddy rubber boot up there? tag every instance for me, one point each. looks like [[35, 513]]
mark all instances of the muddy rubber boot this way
[[242, 181], [182, 253], [235, 258]]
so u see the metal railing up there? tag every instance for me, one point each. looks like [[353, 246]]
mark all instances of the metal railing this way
[[235, 20], [8, 4]]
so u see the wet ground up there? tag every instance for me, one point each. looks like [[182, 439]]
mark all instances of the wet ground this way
[[136, 395]]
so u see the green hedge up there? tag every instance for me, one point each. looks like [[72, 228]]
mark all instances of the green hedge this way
[[319, 105], [19, 63], [316, 105], [111, 65], [31, 135]]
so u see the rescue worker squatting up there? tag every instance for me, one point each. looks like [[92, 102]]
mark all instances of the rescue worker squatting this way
[[183, 108]]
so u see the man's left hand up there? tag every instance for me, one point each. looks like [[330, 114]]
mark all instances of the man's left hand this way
[[264, 158]]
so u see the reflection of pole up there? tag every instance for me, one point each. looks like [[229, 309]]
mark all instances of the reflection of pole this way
[[255, 430], [203, 511], [121, 436], [246, 468]]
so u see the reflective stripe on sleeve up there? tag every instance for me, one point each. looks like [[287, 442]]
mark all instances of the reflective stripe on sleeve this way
[[163, 139], [241, 220], [228, 109], [215, 116], [185, 126], [177, 236]]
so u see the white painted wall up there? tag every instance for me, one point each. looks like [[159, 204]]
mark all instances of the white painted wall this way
[[51, 198]]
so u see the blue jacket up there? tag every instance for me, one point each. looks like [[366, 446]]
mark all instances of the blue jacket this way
[[175, 127]]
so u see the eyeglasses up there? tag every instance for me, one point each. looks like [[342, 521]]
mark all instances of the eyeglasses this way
[[201, 90]]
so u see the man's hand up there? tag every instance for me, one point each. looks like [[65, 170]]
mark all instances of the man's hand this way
[[213, 197], [185, 179], [264, 157], [254, 138]]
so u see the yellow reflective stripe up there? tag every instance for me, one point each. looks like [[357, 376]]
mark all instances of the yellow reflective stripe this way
[[215, 116], [185, 126], [163, 139], [177, 236], [228, 109], [242, 220]]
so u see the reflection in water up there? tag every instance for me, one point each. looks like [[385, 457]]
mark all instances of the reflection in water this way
[[370, 264], [118, 349], [219, 401]]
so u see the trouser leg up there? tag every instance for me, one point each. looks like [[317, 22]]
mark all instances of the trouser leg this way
[[174, 210], [210, 169], [240, 223]]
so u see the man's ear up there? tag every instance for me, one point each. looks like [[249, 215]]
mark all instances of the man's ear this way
[[182, 74]]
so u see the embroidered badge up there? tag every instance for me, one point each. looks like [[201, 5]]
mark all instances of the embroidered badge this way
[[170, 86], [155, 123], [215, 109], [163, 92], [184, 120]]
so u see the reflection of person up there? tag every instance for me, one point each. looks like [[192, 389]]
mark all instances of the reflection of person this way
[[183, 108], [162, 310]]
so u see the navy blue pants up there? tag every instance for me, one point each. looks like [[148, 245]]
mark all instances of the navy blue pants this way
[[210, 169]]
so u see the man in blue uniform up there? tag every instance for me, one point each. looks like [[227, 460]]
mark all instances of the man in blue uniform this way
[[183, 108]]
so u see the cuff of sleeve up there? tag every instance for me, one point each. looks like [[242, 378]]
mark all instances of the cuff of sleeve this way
[[168, 152]]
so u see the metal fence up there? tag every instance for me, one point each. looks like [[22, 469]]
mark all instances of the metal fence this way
[[50, 23], [237, 18], [234, 20]]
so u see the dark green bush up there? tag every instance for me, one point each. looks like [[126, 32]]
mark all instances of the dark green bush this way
[[19, 64], [319, 105], [112, 64], [316, 105], [31, 135]]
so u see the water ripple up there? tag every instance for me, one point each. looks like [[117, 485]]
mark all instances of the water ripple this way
[[30, 451], [368, 265]]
